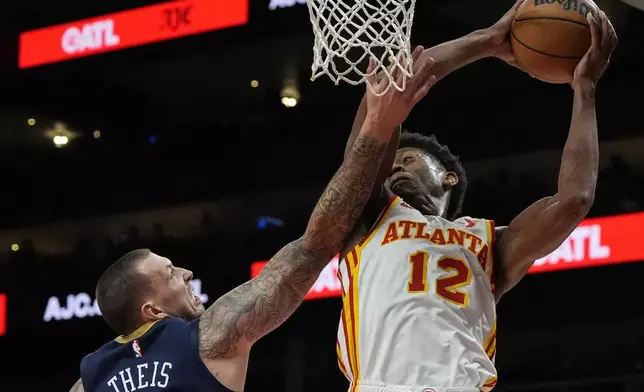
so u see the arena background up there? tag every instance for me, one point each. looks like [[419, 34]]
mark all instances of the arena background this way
[[168, 146]]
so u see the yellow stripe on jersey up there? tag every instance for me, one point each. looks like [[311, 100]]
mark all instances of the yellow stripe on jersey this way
[[340, 361], [353, 261], [142, 330], [491, 239], [490, 342], [350, 303], [383, 217], [489, 384], [347, 320]]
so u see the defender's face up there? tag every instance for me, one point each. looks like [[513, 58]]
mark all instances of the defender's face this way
[[421, 180], [171, 293]]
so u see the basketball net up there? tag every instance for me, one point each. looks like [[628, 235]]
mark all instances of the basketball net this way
[[350, 32]]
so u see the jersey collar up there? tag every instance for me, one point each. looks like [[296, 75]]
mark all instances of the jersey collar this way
[[142, 330]]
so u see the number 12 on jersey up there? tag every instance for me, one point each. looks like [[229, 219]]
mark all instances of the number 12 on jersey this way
[[460, 275]]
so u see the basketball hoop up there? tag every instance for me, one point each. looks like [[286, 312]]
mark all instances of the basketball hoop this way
[[350, 32]]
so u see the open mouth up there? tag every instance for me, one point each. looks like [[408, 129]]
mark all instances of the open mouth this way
[[196, 300], [400, 177]]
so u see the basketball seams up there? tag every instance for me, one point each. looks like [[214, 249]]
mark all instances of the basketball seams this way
[[541, 52], [552, 18], [512, 32]]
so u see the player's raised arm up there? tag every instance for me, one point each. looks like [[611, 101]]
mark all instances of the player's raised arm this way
[[378, 198], [542, 227], [448, 57], [238, 319]]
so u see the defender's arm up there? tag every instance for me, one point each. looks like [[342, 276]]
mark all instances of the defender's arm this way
[[542, 227], [238, 319], [78, 387]]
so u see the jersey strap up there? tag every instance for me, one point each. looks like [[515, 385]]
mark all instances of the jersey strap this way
[[350, 314]]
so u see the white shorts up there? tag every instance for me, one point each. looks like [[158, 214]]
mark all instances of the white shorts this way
[[382, 387]]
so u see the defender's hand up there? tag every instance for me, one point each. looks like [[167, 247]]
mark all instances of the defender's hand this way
[[499, 36], [594, 63], [392, 108]]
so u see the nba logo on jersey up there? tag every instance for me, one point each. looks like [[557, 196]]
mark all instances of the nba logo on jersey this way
[[469, 222], [137, 348]]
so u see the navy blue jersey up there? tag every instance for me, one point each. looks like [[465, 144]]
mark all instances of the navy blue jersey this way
[[161, 356]]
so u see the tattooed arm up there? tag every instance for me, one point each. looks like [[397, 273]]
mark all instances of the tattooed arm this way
[[235, 321], [238, 319], [78, 387]]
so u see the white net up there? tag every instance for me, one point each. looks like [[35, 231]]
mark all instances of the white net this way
[[350, 32]]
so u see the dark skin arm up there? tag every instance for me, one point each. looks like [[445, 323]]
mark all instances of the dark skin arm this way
[[542, 227], [448, 57]]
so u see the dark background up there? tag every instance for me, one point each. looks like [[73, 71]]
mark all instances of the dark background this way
[[226, 154]]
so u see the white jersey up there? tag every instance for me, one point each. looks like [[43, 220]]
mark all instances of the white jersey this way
[[418, 303]]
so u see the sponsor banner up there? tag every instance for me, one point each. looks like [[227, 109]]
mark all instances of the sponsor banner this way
[[326, 286], [82, 305], [130, 28], [600, 241], [275, 4], [3, 314], [596, 242]]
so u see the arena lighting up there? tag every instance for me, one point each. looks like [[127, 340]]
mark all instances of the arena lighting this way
[[290, 96], [595, 242], [136, 27], [31, 122], [15, 247], [254, 83], [264, 221], [97, 134], [60, 140]]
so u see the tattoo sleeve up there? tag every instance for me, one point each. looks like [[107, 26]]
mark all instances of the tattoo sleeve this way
[[241, 317]]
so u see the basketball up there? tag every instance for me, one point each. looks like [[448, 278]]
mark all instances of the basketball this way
[[549, 37]]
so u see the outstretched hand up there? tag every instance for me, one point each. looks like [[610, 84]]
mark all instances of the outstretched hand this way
[[499, 35], [603, 41], [392, 108]]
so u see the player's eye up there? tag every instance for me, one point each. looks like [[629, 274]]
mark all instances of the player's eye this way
[[408, 159]]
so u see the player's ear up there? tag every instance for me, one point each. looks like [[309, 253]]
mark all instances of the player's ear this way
[[450, 179], [151, 312]]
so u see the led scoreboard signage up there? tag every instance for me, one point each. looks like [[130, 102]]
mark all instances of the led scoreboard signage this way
[[127, 29], [600, 241]]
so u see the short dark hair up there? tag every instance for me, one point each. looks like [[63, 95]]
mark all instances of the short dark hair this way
[[119, 290], [451, 162]]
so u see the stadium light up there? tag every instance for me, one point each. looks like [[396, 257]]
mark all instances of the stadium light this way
[[290, 96]]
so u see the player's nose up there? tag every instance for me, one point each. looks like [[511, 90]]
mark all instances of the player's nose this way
[[187, 275], [397, 167]]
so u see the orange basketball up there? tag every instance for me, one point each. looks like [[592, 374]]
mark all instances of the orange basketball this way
[[549, 37]]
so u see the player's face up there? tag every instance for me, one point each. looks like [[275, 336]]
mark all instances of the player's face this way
[[171, 294], [422, 181]]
